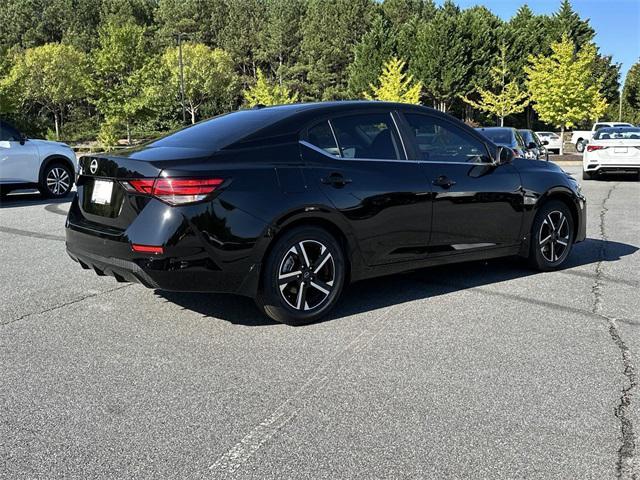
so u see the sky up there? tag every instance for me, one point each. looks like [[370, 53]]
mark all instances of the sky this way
[[616, 22]]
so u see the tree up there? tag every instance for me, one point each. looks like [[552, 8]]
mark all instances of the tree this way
[[331, 28], [123, 50], [509, 98], [562, 86], [264, 93], [279, 41], [567, 22], [209, 78], [51, 76], [441, 62], [370, 55], [631, 94], [395, 85]]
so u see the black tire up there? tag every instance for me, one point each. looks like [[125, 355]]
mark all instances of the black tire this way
[[587, 175], [580, 146], [319, 259], [56, 181], [552, 236]]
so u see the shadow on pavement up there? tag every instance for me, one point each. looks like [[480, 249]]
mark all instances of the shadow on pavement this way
[[30, 198], [386, 291]]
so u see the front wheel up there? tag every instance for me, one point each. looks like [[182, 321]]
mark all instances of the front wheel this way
[[303, 276], [552, 236], [57, 181]]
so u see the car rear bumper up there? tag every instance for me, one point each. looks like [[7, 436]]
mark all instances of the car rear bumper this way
[[593, 167], [192, 260]]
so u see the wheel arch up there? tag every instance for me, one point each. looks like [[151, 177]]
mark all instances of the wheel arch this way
[[56, 158], [567, 197]]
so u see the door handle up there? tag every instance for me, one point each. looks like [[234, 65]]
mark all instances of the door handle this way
[[336, 180], [444, 182]]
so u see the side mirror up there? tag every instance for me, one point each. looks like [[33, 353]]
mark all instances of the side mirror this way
[[532, 145], [23, 138], [503, 155], [545, 142]]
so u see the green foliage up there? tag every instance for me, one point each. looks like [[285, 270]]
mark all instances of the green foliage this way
[[108, 135], [208, 77], [315, 49], [508, 99], [51, 76], [395, 85], [631, 95], [330, 29], [441, 57], [265, 93], [562, 86]]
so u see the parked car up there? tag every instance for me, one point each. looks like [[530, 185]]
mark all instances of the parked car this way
[[580, 138], [506, 137], [288, 204], [553, 140], [534, 145], [614, 149], [26, 163]]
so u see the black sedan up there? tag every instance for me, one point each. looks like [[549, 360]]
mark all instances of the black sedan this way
[[288, 204]]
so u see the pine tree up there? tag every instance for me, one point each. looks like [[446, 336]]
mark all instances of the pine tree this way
[[509, 99], [265, 93], [567, 22], [395, 85], [441, 59], [631, 94], [331, 29], [562, 86], [370, 55]]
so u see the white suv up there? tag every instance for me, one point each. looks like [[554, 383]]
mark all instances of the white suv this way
[[24, 163]]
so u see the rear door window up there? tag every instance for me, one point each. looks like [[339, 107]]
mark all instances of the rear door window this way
[[367, 136], [321, 136]]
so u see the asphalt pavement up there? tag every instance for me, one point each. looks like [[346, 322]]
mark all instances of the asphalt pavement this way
[[481, 370]]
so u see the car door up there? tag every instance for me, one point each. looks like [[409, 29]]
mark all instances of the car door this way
[[18, 160], [476, 204], [360, 164]]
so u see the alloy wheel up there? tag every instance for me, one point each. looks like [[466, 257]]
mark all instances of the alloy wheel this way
[[58, 181], [554, 236], [306, 275]]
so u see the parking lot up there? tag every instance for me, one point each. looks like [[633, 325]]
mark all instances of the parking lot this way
[[483, 370]]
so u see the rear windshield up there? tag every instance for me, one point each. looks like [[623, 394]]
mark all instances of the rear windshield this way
[[223, 130], [611, 133], [499, 136]]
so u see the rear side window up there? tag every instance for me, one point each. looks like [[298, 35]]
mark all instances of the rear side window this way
[[438, 141], [367, 136], [321, 136], [8, 133]]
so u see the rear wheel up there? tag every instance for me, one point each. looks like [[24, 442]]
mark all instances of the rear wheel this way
[[552, 236], [303, 276], [57, 181], [587, 175], [580, 146]]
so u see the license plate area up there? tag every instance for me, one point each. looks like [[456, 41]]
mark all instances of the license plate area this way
[[102, 192], [620, 150]]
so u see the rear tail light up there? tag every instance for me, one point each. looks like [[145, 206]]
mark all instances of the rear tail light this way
[[591, 148], [175, 191]]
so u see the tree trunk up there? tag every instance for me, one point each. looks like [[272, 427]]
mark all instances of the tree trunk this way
[[502, 121], [193, 116], [562, 140], [128, 134], [56, 119]]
